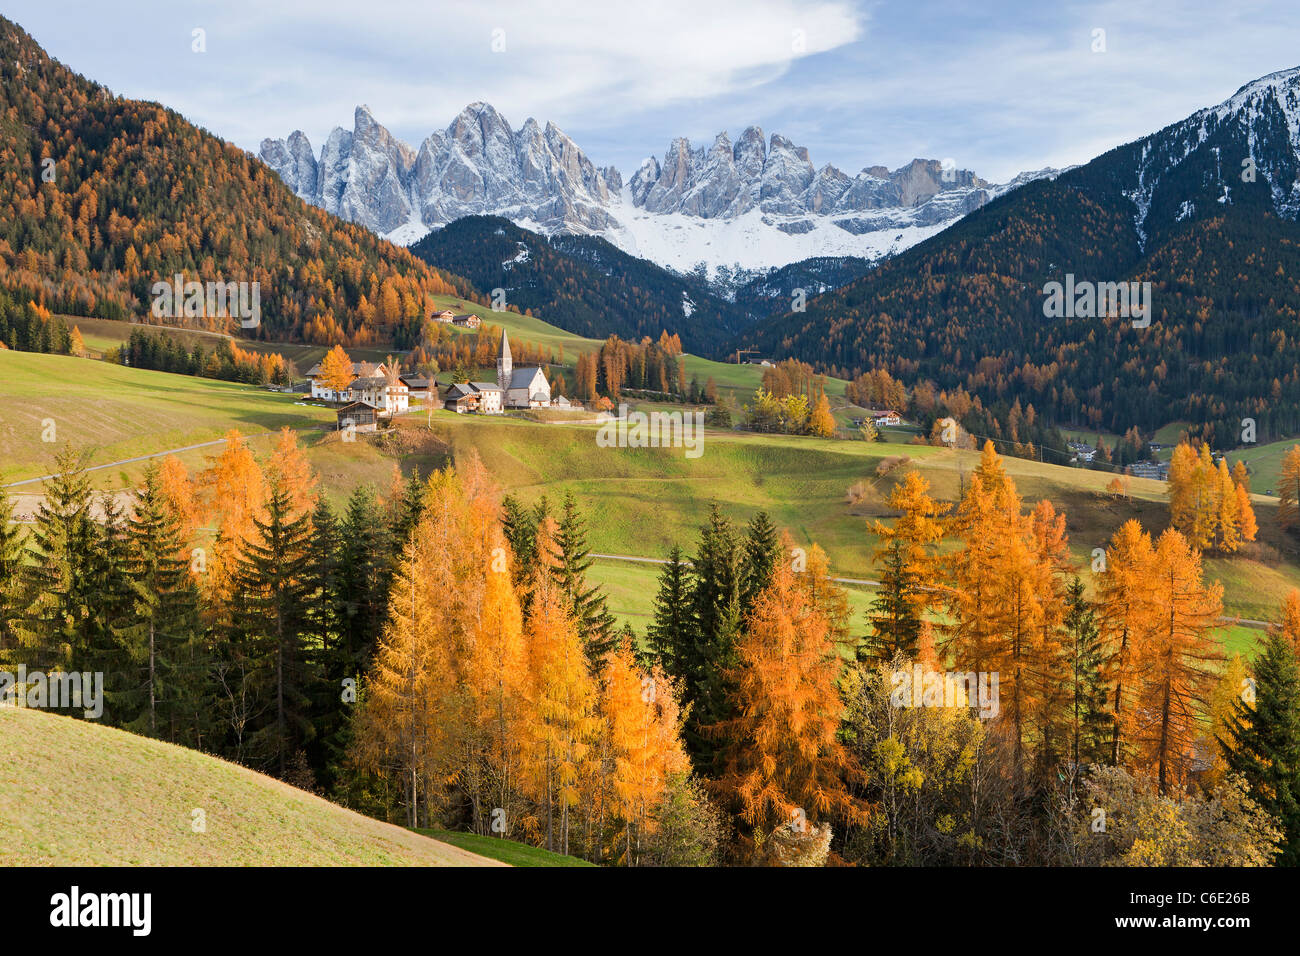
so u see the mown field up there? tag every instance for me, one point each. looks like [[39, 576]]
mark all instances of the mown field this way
[[74, 793]]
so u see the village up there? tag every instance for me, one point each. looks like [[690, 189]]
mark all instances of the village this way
[[376, 392]]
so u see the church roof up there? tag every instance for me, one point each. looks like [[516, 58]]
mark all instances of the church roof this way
[[523, 377], [505, 346]]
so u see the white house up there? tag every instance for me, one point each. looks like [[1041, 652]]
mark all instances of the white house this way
[[886, 416], [391, 398], [359, 370], [490, 397]]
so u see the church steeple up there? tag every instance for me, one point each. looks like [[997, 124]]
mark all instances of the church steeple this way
[[505, 364]]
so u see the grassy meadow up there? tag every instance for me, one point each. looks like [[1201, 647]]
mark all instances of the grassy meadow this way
[[53, 767]]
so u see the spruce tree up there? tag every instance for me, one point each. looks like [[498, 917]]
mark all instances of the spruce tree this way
[[162, 639], [521, 532], [61, 583], [13, 551], [1263, 742], [586, 604], [368, 559], [327, 620], [762, 554], [272, 621], [895, 622], [673, 628], [1090, 724], [718, 570]]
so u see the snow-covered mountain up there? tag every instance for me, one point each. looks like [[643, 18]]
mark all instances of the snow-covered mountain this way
[[757, 204], [1186, 165]]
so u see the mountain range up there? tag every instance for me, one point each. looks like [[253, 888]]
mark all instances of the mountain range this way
[[754, 205], [1205, 210]]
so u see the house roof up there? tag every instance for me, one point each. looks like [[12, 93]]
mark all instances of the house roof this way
[[459, 389], [374, 381], [373, 408], [358, 368], [414, 381], [485, 386]]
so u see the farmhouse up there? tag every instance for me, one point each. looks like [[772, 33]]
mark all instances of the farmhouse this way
[[391, 398], [417, 386], [444, 316], [359, 370], [886, 416], [359, 416], [469, 321]]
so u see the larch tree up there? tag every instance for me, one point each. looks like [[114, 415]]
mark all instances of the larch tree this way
[[1288, 490], [336, 370], [497, 673], [821, 423], [783, 763], [1289, 626], [400, 732], [564, 694], [1181, 658], [908, 568], [643, 722], [1124, 614]]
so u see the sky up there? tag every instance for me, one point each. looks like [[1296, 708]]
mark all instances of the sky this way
[[999, 88]]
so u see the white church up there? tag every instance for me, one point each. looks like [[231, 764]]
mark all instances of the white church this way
[[515, 388], [521, 387]]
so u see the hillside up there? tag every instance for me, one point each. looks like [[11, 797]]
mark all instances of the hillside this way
[[638, 502], [74, 793], [591, 287], [102, 196], [1204, 210]]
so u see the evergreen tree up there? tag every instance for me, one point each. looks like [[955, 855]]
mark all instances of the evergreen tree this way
[[63, 608], [586, 605], [709, 660], [1264, 741], [408, 508], [368, 558], [13, 551], [762, 555], [273, 622], [673, 626], [162, 639], [521, 532], [327, 621], [1090, 725]]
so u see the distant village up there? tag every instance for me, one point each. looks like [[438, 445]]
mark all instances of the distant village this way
[[378, 392]]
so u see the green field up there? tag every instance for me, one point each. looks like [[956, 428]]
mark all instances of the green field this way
[[638, 502], [73, 793], [507, 851]]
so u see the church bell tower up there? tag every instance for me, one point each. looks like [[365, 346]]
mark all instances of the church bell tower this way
[[505, 365]]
